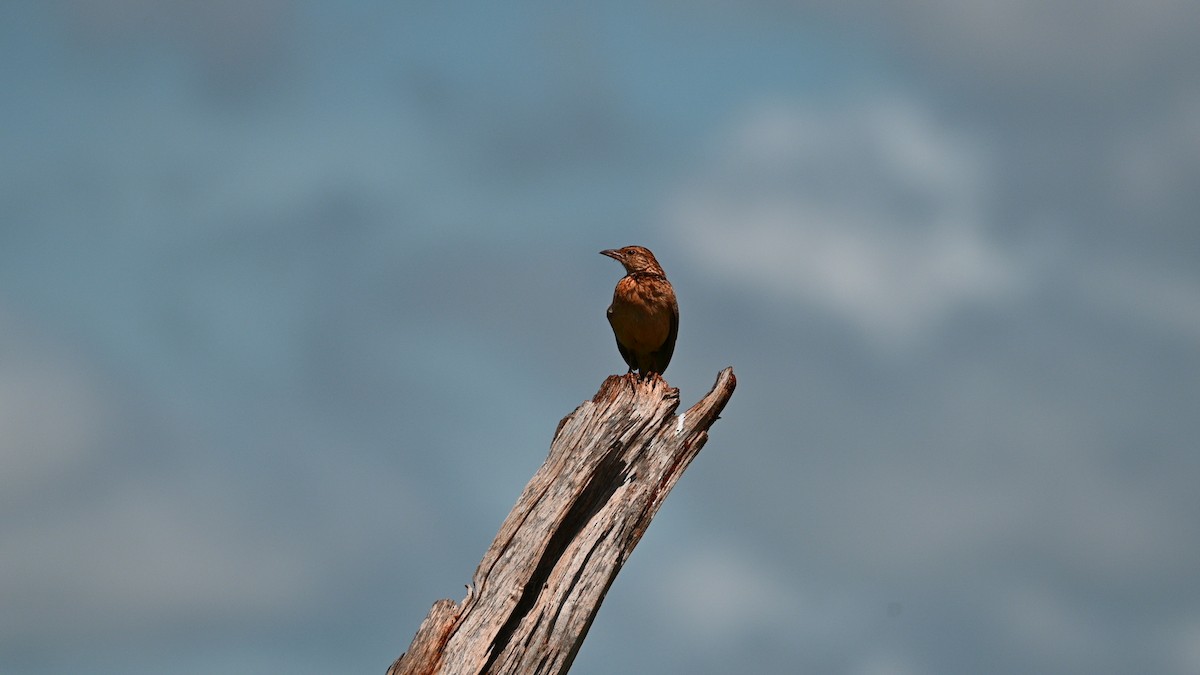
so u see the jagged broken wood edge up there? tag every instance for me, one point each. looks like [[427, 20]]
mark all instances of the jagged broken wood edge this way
[[535, 593]]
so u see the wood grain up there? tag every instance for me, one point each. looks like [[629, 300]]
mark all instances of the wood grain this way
[[535, 593]]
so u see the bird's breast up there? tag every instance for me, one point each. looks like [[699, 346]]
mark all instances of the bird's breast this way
[[641, 312]]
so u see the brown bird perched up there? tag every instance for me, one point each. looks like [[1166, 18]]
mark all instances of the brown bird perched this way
[[644, 314]]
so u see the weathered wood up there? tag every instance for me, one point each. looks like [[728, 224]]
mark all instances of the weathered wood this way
[[533, 598]]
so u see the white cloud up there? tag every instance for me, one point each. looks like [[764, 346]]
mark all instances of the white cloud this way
[[51, 411], [1185, 649], [1160, 297], [1047, 46], [718, 590], [870, 210], [721, 592], [139, 557], [885, 664], [1154, 162], [1041, 623]]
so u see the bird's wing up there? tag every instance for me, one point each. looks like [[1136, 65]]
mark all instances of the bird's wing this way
[[668, 347], [625, 353]]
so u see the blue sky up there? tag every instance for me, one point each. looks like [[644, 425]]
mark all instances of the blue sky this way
[[292, 296]]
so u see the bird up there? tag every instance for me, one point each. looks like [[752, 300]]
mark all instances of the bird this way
[[644, 314]]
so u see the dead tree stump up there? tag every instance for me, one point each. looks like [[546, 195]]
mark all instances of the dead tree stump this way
[[540, 584]]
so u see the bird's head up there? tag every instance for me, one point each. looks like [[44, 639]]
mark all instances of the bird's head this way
[[635, 259]]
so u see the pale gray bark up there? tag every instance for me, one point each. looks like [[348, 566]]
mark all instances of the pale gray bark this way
[[540, 584]]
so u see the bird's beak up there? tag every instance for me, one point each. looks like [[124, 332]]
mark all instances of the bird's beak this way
[[612, 253]]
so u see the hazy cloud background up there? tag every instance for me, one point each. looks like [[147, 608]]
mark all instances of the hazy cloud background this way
[[292, 296]]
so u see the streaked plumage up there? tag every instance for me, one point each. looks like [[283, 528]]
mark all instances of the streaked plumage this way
[[644, 314]]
